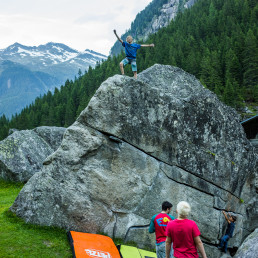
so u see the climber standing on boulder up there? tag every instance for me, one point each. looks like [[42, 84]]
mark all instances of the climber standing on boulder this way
[[158, 225], [231, 219], [130, 52]]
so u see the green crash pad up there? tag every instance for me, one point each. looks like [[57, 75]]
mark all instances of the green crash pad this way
[[134, 252]]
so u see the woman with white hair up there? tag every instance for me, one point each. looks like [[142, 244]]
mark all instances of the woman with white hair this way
[[184, 234]]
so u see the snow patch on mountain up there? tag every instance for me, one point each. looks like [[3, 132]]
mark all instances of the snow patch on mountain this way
[[49, 54], [25, 52]]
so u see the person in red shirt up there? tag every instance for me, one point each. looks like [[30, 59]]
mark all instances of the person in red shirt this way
[[184, 234], [158, 225]]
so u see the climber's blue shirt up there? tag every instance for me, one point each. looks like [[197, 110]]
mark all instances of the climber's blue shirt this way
[[230, 229], [131, 49]]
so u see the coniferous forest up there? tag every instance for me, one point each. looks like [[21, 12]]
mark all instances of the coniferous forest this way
[[215, 40]]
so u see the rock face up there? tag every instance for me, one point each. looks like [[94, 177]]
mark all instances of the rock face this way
[[138, 143], [22, 153], [249, 249], [168, 12], [155, 16]]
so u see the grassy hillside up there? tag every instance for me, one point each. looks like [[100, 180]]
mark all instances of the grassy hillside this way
[[19, 239]]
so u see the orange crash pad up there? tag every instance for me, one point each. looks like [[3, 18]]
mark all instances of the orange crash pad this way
[[88, 245]]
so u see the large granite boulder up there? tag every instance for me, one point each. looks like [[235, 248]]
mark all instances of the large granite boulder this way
[[22, 153], [138, 143], [249, 248]]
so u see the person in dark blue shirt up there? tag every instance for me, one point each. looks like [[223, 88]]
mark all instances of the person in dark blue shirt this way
[[130, 52], [231, 219]]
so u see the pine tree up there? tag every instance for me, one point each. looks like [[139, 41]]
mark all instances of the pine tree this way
[[3, 127], [233, 67], [205, 76], [70, 113], [250, 60], [229, 93]]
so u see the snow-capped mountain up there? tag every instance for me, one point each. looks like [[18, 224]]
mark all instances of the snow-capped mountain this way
[[47, 58], [27, 72], [49, 54]]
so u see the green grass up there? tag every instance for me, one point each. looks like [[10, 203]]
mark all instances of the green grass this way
[[19, 239]]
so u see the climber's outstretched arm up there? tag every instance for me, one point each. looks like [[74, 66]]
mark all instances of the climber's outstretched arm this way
[[149, 45], [118, 37]]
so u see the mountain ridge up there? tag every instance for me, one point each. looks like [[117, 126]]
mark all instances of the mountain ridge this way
[[56, 52], [38, 69]]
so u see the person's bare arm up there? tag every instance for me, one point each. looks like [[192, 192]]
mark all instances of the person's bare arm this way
[[148, 45], [118, 37], [168, 246], [200, 247], [226, 217]]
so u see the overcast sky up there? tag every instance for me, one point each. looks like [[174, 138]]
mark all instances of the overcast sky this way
[[80, 24]]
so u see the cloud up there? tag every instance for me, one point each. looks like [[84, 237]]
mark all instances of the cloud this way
[[79, 24]]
